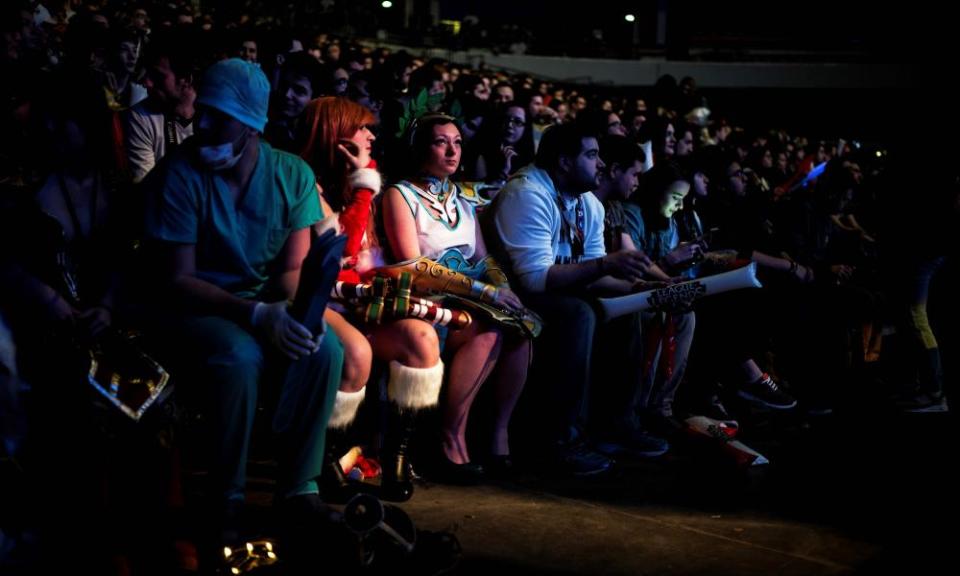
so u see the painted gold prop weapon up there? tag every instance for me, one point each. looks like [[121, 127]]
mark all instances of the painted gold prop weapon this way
[[430, 277], [379, 301], [392, 289]]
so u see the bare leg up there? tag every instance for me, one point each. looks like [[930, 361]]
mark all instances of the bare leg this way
[[475, 351], [411, 342], [357, 355], [508, 379]]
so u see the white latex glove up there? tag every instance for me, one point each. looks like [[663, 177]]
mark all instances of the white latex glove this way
[[289, 336]]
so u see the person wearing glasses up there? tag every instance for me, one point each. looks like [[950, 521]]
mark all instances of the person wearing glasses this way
[[505, 144]]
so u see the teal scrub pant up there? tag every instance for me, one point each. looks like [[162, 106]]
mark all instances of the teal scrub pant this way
[[233, 365]]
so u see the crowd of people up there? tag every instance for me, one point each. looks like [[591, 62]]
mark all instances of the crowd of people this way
[[165, 173]]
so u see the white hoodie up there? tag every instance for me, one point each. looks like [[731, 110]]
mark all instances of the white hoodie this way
[[528, 221]]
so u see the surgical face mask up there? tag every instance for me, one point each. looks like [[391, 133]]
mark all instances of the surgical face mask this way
[[221, 156]]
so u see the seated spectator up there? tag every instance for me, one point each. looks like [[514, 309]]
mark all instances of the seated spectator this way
[[663, 194], [502, 94], [504, 145], [550, 228], [165, 119], [229, 221], [120, 82], [339, 147], [425, 215], [301, 80], [62, 250]]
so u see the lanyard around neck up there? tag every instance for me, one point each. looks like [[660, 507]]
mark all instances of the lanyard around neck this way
[[573, 230]]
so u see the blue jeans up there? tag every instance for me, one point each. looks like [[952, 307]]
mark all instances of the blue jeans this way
[[562, 361]]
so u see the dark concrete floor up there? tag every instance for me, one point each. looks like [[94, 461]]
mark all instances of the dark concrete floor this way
[[524, 530], [860, 492]]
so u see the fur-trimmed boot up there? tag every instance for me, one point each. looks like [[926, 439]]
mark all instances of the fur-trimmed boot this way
[[335, 486], [409, 391]]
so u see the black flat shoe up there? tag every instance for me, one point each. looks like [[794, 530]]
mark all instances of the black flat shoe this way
[[448, 472]]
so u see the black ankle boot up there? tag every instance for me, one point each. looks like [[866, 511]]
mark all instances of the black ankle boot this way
[[397, 482], [335, 487]]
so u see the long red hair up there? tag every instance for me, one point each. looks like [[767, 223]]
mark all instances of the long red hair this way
[[328, 120]]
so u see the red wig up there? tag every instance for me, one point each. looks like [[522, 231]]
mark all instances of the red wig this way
[[328, 120]]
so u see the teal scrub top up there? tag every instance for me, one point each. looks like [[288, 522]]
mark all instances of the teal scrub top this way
[[236, 242]]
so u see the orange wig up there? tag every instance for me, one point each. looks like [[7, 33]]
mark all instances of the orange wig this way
[[328, 120]]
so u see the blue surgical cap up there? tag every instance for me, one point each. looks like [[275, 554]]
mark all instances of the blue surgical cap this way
[[239, 89]]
